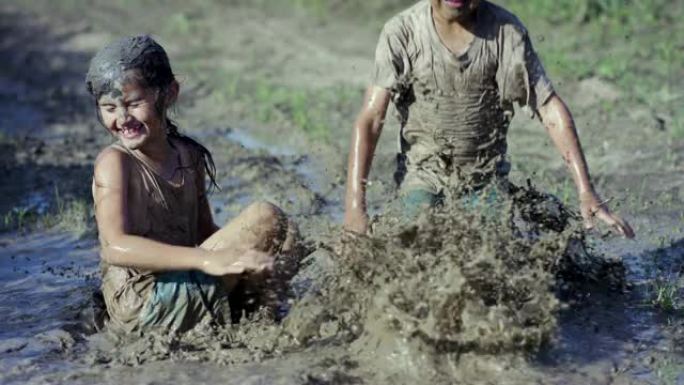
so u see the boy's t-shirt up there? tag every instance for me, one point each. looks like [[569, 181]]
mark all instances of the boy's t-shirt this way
[[455, 109]]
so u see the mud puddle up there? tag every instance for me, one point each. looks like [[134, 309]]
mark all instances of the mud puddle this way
[[46, 286], [47, 280], [15, 112], [313, 171]]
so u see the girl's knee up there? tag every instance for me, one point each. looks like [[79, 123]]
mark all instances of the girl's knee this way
[[265, 214]]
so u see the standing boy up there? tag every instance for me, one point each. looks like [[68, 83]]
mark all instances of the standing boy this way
[[454, 69]]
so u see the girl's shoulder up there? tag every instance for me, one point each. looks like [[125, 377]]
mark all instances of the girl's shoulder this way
[[112, 166], [113, 155]]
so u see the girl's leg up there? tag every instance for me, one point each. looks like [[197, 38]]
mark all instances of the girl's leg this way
[[262, 226]]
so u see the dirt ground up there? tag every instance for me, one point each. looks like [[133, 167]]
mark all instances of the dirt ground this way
[[239, 64]]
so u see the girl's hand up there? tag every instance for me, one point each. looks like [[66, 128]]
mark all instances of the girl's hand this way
[[224, 262], [593, 208]]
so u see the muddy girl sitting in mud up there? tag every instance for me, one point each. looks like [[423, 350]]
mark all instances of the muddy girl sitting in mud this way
[[454, 70], [164, 262]]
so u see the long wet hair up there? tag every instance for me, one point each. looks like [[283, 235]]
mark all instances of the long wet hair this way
[[153, 70]]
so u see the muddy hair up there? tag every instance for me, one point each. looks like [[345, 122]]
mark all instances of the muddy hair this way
[[111, 66]]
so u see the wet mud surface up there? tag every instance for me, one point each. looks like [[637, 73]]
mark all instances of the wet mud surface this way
[[484, 302]]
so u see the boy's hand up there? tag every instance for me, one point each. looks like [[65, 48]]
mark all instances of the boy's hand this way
[[223, 262], [593, 208], [356, 221]]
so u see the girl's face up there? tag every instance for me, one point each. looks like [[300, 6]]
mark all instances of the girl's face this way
[[130, 112]]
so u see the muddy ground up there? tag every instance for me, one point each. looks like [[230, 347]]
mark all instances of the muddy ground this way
[[272, 91]]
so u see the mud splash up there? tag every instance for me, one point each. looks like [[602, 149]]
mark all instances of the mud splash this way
[[414, 301], [414, 297]]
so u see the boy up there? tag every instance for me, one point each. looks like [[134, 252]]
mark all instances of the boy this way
[[454, 69]]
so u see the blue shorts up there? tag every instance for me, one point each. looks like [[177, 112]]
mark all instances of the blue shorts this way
[[181, 299], [414, 201]]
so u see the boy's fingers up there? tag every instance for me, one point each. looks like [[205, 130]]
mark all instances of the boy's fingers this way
[[624, 227], [616, 222], [589, 220]]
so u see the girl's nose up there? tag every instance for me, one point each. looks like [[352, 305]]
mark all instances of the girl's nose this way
[[122, 116]]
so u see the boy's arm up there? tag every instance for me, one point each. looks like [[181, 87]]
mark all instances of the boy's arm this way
[[561, 128], [365, 134], [110, 184]]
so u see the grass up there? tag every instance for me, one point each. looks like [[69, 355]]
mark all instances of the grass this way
[[626, 42], [180, 23], [364, 11], [669, 370], [74, 215], [666, 294], [317, 112], [18, 218]]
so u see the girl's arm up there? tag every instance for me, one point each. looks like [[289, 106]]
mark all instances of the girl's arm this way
[[561, 128], [110, 186]]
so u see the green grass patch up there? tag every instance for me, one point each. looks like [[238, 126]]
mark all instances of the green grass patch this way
[[72, 214], [666, 294], [318, 112], [669, 370], [360, 10]]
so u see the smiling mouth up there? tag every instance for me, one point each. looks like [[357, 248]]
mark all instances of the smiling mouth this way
[[131, 131], [455, 3]]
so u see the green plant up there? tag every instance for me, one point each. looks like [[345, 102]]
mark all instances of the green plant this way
[[666, 294], [22, 215], [668, 370], [179, 23], [73, 215]]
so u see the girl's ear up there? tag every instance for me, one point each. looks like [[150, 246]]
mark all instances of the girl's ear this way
[[172, 93]]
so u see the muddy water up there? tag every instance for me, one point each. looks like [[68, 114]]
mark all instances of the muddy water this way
[[600, 335], [46, 286], [14, 112]]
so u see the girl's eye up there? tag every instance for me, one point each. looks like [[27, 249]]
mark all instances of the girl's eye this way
[[110, 109]]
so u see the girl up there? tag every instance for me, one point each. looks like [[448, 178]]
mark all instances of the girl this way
[[164, 261]]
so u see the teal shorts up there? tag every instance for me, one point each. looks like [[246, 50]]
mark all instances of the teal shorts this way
[[415, 201], [181, 299]]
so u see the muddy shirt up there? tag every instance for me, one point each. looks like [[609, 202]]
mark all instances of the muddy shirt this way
[[164, 212], [455, 109]]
